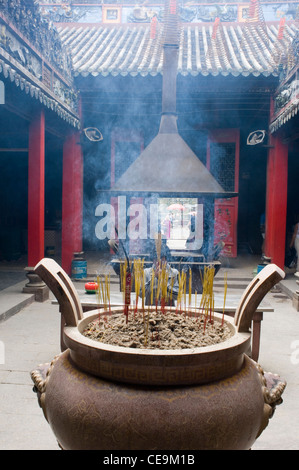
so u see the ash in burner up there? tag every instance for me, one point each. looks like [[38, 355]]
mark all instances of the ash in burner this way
[[158, 330]]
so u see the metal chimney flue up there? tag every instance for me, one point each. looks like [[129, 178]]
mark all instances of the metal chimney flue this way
[[168, 122], [168, 166], [171, 37]]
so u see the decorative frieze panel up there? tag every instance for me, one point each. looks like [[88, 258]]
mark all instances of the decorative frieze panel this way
[[286, 94], [26, 17], [28, 69], [37, 93], [10, 43], [93, 11], [286, 101], [47, 77]]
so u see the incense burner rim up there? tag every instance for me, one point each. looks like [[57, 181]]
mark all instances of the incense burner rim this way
[[73, 336]]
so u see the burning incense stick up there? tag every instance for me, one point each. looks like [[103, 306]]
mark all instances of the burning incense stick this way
[[137, 275], [108, 290], [152, 287], [225, 291], [207, 299], [127, 280], [127, 294], [143, 291], [190, 286], [158, 243], [99, 289], [185, 284], [171, 289]]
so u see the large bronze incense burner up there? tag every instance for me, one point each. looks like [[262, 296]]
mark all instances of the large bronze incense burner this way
[[100, 396]]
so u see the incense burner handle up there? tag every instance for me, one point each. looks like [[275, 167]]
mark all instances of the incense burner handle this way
[[63, 289], [261, 284]]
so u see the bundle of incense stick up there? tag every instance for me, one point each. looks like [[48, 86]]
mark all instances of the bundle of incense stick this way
[[182, 290], [104, 291], [171, 290], [125, 279], [152, 287], [146, 320], [207, 298], [160, 294], [143, 291], [123, 270], [225, 291], [138, 270], [159, 283], [162, 286], [158, 243], [190, 286]]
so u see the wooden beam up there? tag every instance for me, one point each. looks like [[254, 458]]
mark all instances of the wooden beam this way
[[13, 150]]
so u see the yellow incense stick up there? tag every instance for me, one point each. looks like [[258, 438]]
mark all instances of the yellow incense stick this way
[[159, 245], [224, 300], [152, 288], [143, 290], [190, 285], [99, 290], [185, 283], [171, 289], [102, 292]]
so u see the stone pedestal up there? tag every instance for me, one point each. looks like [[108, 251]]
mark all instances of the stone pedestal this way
[[36, 286], [296, 298]]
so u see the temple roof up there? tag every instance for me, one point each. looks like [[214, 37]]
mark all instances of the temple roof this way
[[205, 48]]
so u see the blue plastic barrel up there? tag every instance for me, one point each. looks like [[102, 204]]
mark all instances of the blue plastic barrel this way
[[79, 268], [260, 267]]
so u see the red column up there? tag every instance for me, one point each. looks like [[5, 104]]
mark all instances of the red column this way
[[72, 200], [36, 189], [276, 201]]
